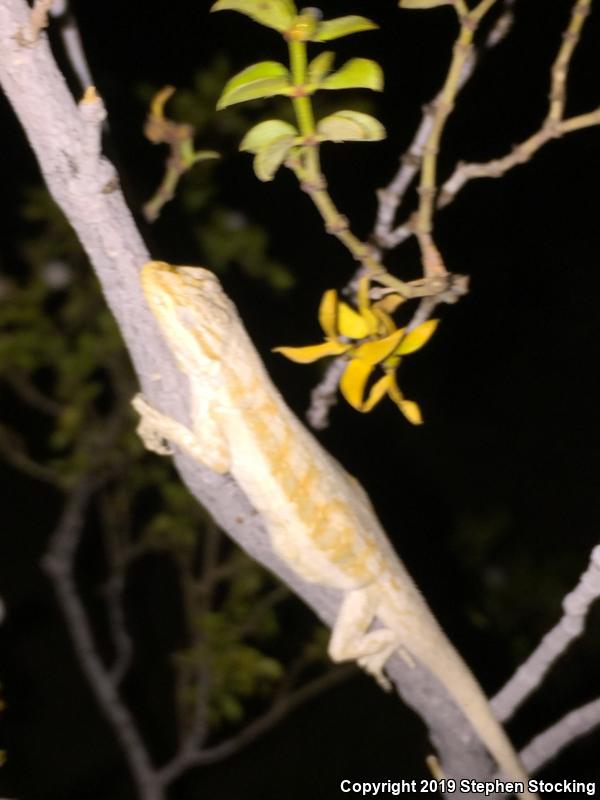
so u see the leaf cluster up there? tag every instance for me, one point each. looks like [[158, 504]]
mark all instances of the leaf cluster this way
[[225, 235], [274, 141], [59, 347]]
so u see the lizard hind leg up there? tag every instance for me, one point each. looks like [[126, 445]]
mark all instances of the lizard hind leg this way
[[352, 640]]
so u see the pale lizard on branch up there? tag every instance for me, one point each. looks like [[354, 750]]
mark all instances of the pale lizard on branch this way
[[319, 519]]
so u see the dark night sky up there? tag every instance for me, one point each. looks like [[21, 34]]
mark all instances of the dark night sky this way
[[508, 386]]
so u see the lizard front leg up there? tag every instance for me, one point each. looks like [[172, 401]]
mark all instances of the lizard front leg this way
[[157, 431], [352, 640]]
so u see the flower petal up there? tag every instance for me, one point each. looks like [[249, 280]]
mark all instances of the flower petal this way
[[353, 382], [384, 321], [351, 323], [412, 412], [312, 352], [328, 309], [418, 337], [378, 390], [409, 408], [374, 352]]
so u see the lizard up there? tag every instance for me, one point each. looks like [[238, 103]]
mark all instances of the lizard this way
[[319, 519]]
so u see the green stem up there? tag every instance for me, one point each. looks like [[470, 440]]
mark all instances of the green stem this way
[[307, 169], [302, 105]]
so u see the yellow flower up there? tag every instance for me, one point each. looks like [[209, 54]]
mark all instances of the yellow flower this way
[[369, 338]]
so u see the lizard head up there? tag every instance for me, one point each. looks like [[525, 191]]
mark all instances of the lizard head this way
[[193, 312]]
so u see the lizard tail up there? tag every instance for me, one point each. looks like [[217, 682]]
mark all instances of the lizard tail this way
[[446, 664]]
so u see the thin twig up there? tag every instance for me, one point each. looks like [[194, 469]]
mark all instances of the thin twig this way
[[553, 126], [29, 392], [74, 51], [324, 396], [547, 745], [391, 196], [113, 593], [272, 717], [462, 52], [59, 563], [38, 20], [193, 727], [560, 68], [198, 598], [116, 524], [530, 674], [520, 154], [266, 603], [13, 449]]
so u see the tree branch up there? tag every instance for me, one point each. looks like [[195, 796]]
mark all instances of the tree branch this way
[[553, 126], [59, 564], [280, 709], [547, 745], [391, 196], [325, 395], [531, 673]]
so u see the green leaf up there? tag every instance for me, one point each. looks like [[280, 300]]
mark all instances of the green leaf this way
[[256, 72], [423, 4], [264, 79], [358, 73], [256, 90], [346, 126], [277, 14], [264, 133], [320, 66], [271, 157], [341, 26]]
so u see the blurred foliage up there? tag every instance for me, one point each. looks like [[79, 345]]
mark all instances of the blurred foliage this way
[[67, 382], [226, 237], [61, 353], [481, 539], [179, 137]]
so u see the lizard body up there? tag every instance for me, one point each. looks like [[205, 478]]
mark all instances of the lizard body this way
[[319, 519]]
